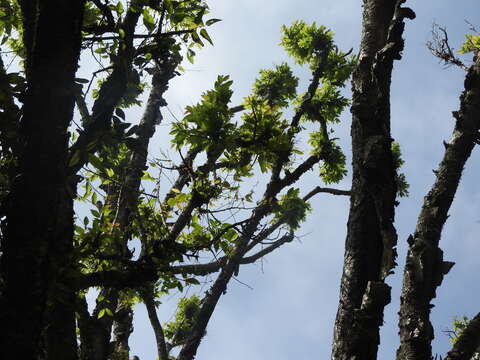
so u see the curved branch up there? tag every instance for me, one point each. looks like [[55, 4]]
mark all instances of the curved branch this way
[[148, 300]]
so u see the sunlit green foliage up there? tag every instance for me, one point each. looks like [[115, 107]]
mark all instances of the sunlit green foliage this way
[[459, 325], [333, 168], [178, 330], [276, 86], [207, 123], [307, 43], [292, 209], [402, 185], [11, 27], [471, 44]]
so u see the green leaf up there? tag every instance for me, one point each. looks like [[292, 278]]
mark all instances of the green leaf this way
[[101, 313], [119, 9], [192, 281], [205, 35], [196, 38], [147, 176], [190, 55], [212, 21], [94, 198], [148, 20]]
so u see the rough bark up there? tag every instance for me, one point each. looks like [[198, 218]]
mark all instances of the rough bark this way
[[425, 268], [123, 327], [10, 114], [468, 342], [371, 237], [37, 247], [92, 334]]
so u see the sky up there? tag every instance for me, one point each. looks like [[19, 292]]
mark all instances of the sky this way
[[287, 308]]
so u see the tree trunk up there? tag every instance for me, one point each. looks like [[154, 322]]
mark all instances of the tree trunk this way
[[121, 331], [371, 238], [39, 318], [425, 268]]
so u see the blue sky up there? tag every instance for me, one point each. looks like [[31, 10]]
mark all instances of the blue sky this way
[[287, 312]]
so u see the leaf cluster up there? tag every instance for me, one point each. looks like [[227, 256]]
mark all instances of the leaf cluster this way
[[178, 331], [402, 184], [471, 44]]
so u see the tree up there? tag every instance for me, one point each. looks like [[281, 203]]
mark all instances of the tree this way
[[364, 293], [140, 242], [109, 158]]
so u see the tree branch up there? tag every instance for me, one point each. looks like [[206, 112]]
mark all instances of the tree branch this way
[[440, 48], [139, 36], [267, 250], [148, 300], [110, 94], [468, 342], [332, 191], [306, 102]]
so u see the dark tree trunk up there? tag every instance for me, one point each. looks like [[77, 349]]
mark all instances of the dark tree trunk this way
[[121, 332], [94, 338], [39, 318], [425, 268], [371, 238]]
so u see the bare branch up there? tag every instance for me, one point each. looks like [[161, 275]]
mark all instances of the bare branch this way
[[440, 47], [82, 106], [148, 300], [269, 230], [139, 36], [275, 245], [185, 173], [332, 191]]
